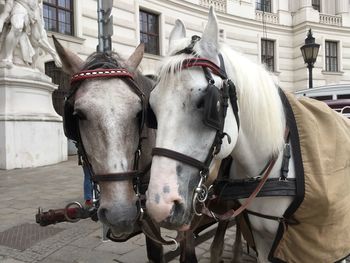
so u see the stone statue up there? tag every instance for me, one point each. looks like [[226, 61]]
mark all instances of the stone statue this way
[[23, 34]]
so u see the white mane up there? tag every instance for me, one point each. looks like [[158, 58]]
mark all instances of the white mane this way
[[171, 65], [260, 108]]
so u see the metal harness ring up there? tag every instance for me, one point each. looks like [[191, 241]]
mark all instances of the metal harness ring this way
[[70, 205]]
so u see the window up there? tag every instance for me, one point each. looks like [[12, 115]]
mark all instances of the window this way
[[149, 32], [62, 80], [268, 54], [316, 5], [263, 5], [58, 16], [325, 97], [331, 56]]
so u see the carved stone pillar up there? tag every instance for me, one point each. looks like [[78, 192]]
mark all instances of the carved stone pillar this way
[[341, 7], [31, 132], [305, 3]]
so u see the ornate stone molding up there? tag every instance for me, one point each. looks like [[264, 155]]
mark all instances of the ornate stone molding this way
[[219, 5], [267, 17], [330, 20]]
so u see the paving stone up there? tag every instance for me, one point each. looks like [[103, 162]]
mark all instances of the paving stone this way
[[7, 210], [69, 254], [205, 245], [10, 260], [204, 260], [50, 260], [139, 240], [87, 242], [135, 256], [76, 243], [118, 248], [200, 251]]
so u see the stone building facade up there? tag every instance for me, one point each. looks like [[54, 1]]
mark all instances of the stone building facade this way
[[271, 31]]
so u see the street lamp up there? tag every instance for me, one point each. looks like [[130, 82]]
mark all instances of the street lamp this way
[[310, 52]]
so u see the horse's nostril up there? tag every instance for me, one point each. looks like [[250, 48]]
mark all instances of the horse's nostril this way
[[178, 208]]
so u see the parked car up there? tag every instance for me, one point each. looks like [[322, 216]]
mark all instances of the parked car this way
[[336, 96]]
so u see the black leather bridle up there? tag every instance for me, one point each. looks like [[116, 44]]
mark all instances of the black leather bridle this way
[[128, 77], [227, 91]]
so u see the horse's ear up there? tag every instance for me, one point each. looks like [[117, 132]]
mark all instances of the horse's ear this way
[[210, 38], [71, 63], [135, 59], [177, 33]]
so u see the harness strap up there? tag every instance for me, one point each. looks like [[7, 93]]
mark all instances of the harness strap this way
[[230, 214], [115, 176], [288, 221], [101, 73], [179, 157], [153, 232], [203, 62], [242, 188]]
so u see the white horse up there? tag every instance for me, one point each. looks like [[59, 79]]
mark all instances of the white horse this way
[[177, 101]]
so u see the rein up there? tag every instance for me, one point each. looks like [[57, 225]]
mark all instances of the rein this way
[[230, 214]]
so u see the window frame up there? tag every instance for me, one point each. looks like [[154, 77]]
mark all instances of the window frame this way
[[263, 55], [156, 34], [57, 21], [329, 57], [261, 5], [60, 78], [316, 6]]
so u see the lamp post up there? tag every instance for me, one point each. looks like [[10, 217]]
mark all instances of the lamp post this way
[[310, 52]]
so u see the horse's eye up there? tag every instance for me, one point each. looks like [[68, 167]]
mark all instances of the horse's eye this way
[[79, 114], [200, 103]]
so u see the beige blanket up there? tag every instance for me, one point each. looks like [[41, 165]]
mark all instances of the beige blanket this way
[[323, 234]]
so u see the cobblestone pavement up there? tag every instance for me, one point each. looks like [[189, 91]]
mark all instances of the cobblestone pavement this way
[[22, 191]]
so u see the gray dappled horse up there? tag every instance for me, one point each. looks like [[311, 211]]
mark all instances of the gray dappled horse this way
[[106, 114]]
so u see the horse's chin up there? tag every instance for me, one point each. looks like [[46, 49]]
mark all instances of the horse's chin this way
[[121, 233], [180, 226]]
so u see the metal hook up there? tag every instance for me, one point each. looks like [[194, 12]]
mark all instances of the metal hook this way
[[202, 193], [175, 243], [214, 216], [194, 204]]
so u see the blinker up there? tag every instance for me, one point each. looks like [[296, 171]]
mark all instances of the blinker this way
[[212, 107]]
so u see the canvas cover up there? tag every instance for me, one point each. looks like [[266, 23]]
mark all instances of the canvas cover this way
[[322, 204]]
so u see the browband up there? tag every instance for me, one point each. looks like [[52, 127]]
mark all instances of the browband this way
[[101, 73], [203, 62]]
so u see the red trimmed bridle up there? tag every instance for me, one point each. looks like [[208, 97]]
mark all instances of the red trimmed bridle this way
[[146, 223], [129, 78]]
